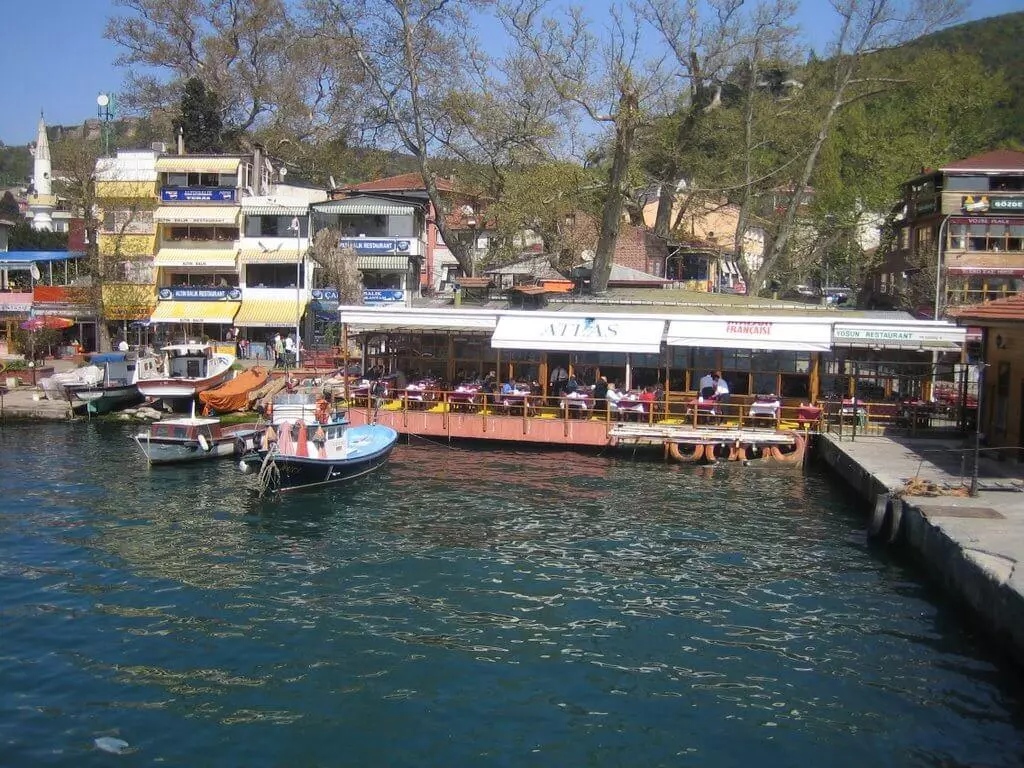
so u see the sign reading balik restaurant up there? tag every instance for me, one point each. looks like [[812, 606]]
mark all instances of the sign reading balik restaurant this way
[[197, 293], [375, 245]]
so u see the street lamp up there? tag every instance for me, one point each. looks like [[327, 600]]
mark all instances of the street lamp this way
[[105, 111], [298, 282], [938, 265]]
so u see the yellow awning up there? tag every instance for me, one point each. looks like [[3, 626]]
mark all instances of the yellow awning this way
[[195, 257], [222, 312], [185, 163], [258, 256], [269, 313], [197, 214]]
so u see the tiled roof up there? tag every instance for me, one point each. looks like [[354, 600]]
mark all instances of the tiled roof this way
[[996, 160], [406, 182], [1011, 308]]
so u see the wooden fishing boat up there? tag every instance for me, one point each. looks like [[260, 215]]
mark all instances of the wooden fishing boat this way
[[185, 370], [119, 384], [197, 439]]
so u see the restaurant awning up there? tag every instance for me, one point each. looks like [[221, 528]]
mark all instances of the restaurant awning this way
[[197, 214], [383, 263], [269, 313], [922, 337], [275, 210], [259, 256], [750, 333], [583, 334], [399, 318], [217, 312], [185, 164], [195, 257], [362, 208]]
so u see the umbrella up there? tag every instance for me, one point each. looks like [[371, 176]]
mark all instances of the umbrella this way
[[39, 322]]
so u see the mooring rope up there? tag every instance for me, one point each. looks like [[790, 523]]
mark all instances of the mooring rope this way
[[269, 476]]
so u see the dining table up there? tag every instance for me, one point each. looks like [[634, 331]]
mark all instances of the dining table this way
[[765, 408], [516, 399], [629, 406], [807, 414], [578, 402], [465, 397], [421, 393]]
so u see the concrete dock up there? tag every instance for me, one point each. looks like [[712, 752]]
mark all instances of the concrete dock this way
[[970, 545]]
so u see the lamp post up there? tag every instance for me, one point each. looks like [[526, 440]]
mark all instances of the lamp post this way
[[977, 429], [938, 265], [105, 111], [298, 282]]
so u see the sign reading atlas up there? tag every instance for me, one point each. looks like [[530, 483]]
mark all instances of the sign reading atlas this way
[[195, 293], [197, 194], [588, 328], [984, 204]]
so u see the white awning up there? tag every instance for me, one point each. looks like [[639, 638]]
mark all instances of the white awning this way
[[187, 163], [570, 334], [940, 337], [751, 333], [274, 210], [196, 214], [396, 318]]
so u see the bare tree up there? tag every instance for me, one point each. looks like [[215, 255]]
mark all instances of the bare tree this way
[[337, 266], [609, 79]]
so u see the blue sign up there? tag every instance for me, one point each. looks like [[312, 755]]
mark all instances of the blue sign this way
[[198, 194], [324, 294], [375, 245], [195, 293], [383, 296]]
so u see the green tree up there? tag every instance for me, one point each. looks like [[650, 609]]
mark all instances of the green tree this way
[[199, 118], [23, 238], [9, 207]]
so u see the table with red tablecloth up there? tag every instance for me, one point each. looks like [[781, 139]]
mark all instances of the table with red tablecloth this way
[[807, 413]]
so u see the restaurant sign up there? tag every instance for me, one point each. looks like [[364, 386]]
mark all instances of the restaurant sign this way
[[590, 334], [867, 336], [754, 333], [196, 293], [375, 245], [15, 302], [198, 194], [324, 299], [985, 203], [996, 271], [383, 296]]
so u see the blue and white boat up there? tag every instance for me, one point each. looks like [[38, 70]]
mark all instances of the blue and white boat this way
[[311, 445], [118, 384]]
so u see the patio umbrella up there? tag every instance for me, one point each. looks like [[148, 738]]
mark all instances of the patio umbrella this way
[[39, 322]]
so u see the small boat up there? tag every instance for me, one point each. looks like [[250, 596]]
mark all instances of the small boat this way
[[185, 370], [119, 385], [311, 445], [197, 439]]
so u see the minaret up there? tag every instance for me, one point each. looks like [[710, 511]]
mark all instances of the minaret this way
[[42, 201]]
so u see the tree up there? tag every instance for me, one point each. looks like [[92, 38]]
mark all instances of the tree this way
[[337, 266], [9, 209], [199, 118], [413, 55], [609, 81], [23, 237]]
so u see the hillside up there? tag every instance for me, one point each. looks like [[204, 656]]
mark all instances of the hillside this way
[[996, 41]]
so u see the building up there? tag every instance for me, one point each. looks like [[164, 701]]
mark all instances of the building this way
[[46, 210], [1002, 352], [967, 219]]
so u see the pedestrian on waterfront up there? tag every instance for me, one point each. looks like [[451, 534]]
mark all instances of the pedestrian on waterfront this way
[[601, 395], [278, 349], [559, 376], [122, 346]]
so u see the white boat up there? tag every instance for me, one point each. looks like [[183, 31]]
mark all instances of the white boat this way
[[118, 386], [196, 439], [185, 370], [55, 387]]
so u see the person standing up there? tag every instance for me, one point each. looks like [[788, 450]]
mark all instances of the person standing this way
[[601, 396], [278, 349], [559, 377]]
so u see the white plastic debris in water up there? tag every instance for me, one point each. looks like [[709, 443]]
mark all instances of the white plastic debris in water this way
[[112, 745]]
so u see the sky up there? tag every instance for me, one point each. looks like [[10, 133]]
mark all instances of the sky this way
[[54, 57]]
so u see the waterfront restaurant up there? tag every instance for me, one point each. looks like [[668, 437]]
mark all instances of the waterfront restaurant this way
[[797, 357]]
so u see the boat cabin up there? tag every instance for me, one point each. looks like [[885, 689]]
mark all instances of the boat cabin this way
[[185, 429], [118, 367], [187, 361]]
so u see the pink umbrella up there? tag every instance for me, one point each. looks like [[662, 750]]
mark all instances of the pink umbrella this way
[[39, 322]]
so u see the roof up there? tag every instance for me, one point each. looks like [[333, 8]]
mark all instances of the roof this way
[[622, 274], [1009, 309], [996, 160], [529, 290], [473, 282], [27, 257], [538, 266], [405, 182]]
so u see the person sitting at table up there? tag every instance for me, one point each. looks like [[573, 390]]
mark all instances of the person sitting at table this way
[[721, 388], [507, 388], [707, 386], [613, 395], [571, 385]]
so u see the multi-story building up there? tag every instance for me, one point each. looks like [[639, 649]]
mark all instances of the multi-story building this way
[[964, 221]]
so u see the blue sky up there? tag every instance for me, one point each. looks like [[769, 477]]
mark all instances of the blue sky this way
[[54, 57]]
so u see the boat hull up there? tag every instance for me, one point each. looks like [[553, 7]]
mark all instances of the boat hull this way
[[104, 399], [181, 388], [171, 451]]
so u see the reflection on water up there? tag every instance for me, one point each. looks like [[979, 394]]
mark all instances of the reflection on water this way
[[469, 606]]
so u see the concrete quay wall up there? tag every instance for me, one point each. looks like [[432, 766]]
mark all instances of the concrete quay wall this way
[[970, 546]]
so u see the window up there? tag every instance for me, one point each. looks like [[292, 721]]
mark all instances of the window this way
[[274, 226], [967, 184], [273, 275]]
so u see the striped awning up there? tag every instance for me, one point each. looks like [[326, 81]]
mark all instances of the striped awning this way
[[360, 208], [221, 312], [275, 210], [383, 263], [259, 256], [185, 164], [197, 214], [195, 257], [269, 313]]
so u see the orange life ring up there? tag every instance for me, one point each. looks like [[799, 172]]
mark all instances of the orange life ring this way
[[715, 451], [674, 450], [738, 452], [795, 456]]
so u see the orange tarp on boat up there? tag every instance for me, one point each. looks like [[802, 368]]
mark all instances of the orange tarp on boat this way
[[234, 395]]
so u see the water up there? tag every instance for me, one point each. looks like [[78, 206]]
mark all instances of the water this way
[[469, 608]]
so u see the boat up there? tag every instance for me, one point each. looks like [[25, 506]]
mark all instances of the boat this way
[[185, 370], [197, 439], [55, 387], [310, 444], [118, 385]]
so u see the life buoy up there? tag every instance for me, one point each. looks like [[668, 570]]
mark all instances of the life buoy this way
[[323, 411], [715, 451], [204, 443], [680, 452], [738, 452], [795, 456]]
